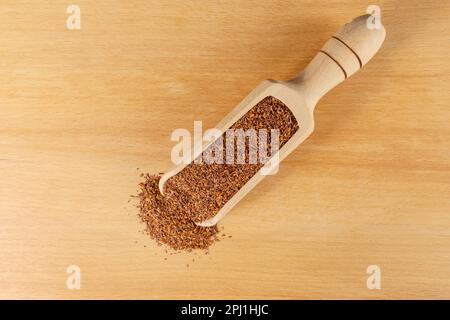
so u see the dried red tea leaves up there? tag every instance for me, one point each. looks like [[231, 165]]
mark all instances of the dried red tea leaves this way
[[205, 188], [166, 222], [200, 190]]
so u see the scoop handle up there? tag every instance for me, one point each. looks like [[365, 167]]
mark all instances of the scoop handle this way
[[341, 56]]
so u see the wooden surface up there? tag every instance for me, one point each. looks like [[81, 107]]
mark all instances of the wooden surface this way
[[81, 110]]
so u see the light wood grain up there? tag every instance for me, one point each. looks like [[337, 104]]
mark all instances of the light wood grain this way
[[80, 111]]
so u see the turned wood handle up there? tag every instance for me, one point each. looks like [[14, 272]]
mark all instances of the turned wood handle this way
[[341, 56]]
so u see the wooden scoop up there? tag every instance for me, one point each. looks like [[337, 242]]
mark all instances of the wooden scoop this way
[[341, 56]]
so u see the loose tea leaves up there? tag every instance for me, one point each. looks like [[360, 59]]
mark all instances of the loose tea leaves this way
[[205, 188], [166, 223], [201, 189]]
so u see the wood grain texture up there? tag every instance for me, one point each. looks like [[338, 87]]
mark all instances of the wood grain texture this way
[[80, 111]]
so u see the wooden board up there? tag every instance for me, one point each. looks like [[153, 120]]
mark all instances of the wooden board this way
[[81, 110]]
